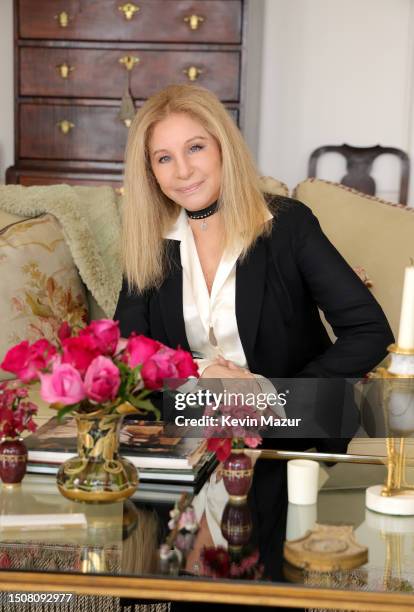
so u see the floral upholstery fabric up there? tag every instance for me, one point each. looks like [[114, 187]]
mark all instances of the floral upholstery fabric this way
[[40, 283]]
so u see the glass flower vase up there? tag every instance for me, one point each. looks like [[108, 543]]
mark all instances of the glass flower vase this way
[[98, 474]]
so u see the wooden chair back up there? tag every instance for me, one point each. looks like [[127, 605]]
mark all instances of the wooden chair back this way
[[359, 162]]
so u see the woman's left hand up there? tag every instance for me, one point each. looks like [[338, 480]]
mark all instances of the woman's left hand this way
[[244, 372], [243, 381]]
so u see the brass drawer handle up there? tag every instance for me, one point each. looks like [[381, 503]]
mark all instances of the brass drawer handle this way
[[129, 61], [193, 73], [194, 21], [65, 126], [120, 191], [63, 19], [64, 70], [129, 9]]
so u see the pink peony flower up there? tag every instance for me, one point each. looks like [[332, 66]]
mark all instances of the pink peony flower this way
[[139, 349], [252, 441], [63, 386], [80, 351], [159, 367], [102, 380], [105, 333], [25, 360]]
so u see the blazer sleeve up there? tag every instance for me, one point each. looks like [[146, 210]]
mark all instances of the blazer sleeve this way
[[361, 328], [132, 312]]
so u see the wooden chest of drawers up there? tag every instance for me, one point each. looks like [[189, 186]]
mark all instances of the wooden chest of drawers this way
[[70, 75]]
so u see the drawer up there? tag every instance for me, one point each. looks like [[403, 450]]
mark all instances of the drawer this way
[[96, 133], [98, 73], [154, 21]]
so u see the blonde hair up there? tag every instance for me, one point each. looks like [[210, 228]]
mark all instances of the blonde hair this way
[[140, 548], [148, 213]]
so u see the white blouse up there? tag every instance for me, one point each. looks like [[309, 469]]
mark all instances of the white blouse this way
[[211, 329], [210, 319]]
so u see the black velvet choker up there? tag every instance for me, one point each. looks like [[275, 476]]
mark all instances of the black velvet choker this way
[[203, 213]]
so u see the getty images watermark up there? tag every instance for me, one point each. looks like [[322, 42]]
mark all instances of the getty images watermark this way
[[232, 409]]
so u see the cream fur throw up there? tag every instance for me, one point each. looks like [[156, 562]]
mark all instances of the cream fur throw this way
[[91, 223]]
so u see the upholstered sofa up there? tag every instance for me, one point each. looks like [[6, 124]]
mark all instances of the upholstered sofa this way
[[59, 251], [59, 260]]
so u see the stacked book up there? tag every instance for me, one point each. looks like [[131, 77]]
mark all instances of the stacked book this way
[[160, 458]]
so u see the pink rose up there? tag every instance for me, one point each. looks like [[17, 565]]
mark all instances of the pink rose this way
[[185, 364], [80, 352], [106, 334], [42, 352], [17, 362], [102, 380], [63, 386], [159, 367], [25, 361], [64, 331], [139, 349]]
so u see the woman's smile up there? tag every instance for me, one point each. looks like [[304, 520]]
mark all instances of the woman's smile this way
[[191, 188]]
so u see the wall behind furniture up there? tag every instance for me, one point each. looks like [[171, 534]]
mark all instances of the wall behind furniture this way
[[6, 87], [334, 72]]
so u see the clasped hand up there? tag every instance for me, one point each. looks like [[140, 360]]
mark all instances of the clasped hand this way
[[234, 378], [224, 368]]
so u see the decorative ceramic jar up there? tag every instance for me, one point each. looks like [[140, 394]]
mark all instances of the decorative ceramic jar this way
[[97, 474], [237, 475], [236, 524], [13, 461]]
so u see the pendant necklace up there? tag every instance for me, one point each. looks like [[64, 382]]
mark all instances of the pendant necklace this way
[[203, 214]]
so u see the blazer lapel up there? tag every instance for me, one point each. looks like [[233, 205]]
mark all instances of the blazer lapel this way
[[171, 299], [250, 282]]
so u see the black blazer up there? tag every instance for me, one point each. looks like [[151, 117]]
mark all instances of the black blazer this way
[[279, 287]]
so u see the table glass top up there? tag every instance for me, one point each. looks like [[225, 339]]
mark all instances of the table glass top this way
[[229, 541]]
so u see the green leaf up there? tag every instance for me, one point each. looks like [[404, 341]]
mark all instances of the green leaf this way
[[143, 403], [122, 367], [66, 410], [145, 393], [146, 405]]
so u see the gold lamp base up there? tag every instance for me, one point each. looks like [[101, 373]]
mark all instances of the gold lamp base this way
[[396, 496]]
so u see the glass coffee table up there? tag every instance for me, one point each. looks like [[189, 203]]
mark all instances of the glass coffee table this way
[[236, 556]]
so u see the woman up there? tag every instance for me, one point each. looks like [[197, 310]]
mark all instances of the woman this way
[[214, 265]]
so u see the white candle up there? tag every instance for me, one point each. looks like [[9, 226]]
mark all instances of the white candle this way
[[406, 331]]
